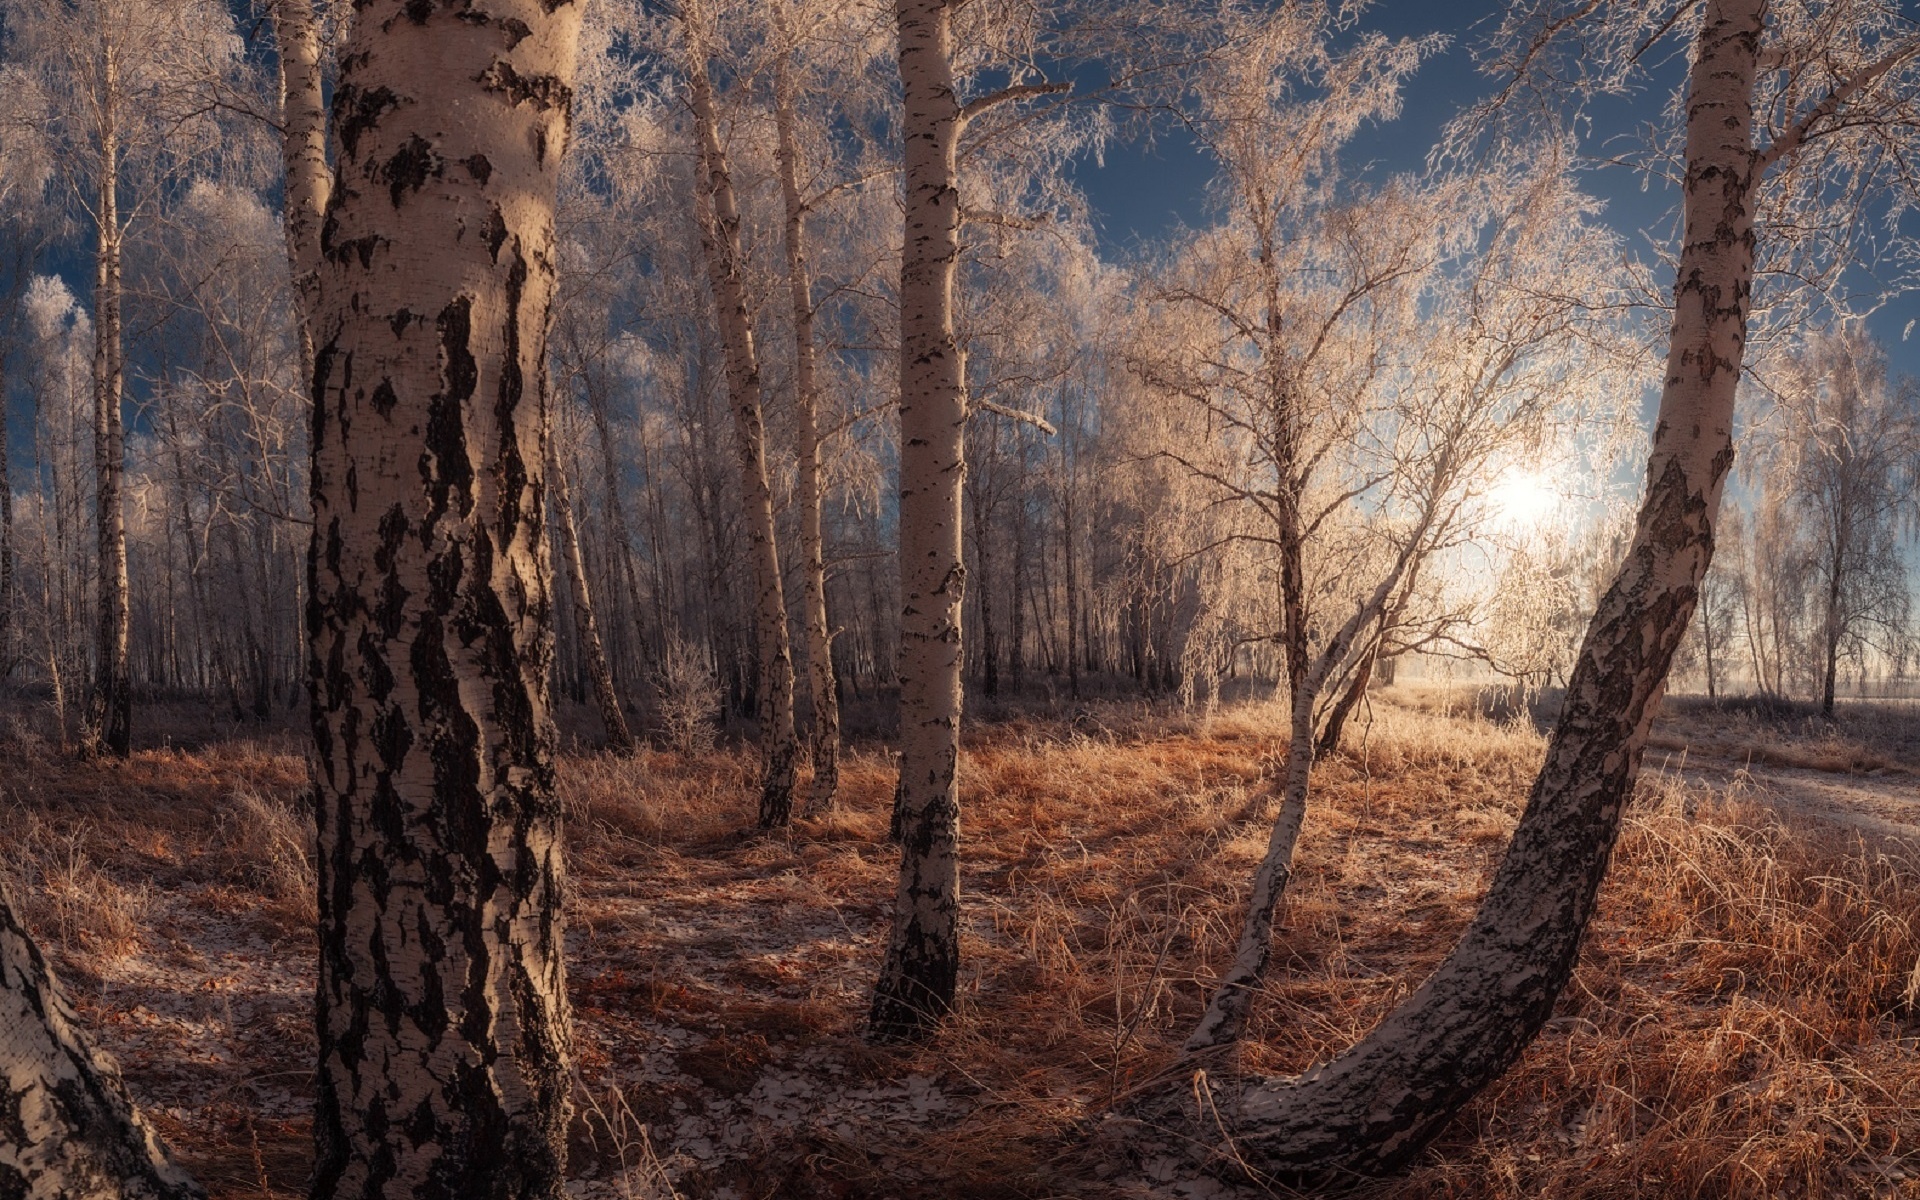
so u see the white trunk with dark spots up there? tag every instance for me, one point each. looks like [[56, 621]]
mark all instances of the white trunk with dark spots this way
[[110, 704], [303, 146], [720, 242], [605, 694], [922, 966], [1374, 1107], [68, 1130], [806, 399], [444, 1040]]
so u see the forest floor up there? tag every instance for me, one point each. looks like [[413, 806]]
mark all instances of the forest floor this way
[[1745, 1020]]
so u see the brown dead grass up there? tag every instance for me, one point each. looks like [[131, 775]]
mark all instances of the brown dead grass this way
[[1745, 1021]]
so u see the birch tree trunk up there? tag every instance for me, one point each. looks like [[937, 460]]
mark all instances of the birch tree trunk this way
[[806, 401], [922, 966], [720, 242], [303, 144], [619, 737], [110, 707], [1376, 1106], [444, 1037], [67, 1127]]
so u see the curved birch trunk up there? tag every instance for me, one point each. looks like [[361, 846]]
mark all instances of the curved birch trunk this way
[[619, 737], [110, 705], [806, 397], [67, 1127], [1376, 1106], [303, 147], [444, 1040], [922, 966], [720, 242]]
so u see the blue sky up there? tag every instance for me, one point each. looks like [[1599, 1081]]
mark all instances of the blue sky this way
[[1140, 193]]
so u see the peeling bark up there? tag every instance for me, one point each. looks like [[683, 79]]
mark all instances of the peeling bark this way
[[1376, 1106], [922, 967], [68, 1130], [720, 243], [443, 1031]]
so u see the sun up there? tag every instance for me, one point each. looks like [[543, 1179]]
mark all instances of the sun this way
[[1522, 500]]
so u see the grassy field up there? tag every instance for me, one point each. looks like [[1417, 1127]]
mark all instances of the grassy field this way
[[1745, 1021]]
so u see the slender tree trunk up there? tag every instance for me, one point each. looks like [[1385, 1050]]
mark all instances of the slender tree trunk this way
[[604, 693], [806, 400], [1830, 665], [303, 145], [1376, 1106], [444, 1038], [1356, 691], [110, 707], [1706, 646], [922, 967], [720, 240], [68, 1129]]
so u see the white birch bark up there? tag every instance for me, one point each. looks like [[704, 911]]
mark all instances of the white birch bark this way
[[806, 399], [445, 1044], [720, 243], [605, 694], [110, 705], [303, 144], [1374, 1107], [68, 1130], [917, 980]]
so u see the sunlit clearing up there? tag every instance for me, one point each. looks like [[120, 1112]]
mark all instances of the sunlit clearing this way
[[1522, 501]]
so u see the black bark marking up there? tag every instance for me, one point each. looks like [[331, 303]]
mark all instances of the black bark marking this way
[[383, 398], [444, 466], [356, 110], [410, 167], [480, 167], [543, 92], [496, 235]]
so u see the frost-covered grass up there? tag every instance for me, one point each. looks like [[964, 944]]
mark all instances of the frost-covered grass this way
[[1745, 1020]]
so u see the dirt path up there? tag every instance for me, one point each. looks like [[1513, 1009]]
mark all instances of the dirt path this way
[[1882, 804]]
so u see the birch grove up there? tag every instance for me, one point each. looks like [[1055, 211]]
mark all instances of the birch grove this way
[[760, 405]]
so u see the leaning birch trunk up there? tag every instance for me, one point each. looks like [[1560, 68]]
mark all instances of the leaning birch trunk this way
[[444, 1040], [67, 1127], [619, 737], [806, 402], [110, 706], [303, 147], [720, 242], [1226, 1016], [1376, 1106], [922, 966]]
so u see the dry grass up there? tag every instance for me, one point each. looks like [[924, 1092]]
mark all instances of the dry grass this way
[[1744, 1022]]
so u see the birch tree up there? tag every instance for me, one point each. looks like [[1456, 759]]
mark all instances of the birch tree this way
[[1840, 445], [720, 243], [67, 1126], [124, 86], [1375, 1106], [445, 1043]]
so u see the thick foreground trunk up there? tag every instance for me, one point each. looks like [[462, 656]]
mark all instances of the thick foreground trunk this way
[[923, 954], [720, 241], [67, 1127], [1374, 1107], [444, 1040]]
